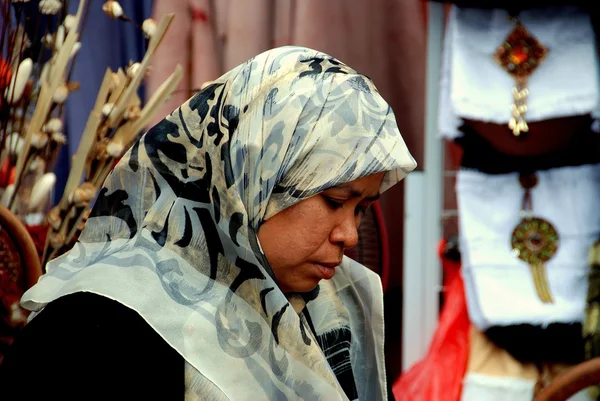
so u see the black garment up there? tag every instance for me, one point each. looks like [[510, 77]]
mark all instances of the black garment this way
[[556, 343], [480, 155], [88, 347]]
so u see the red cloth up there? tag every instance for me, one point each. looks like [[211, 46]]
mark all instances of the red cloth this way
[[38, 235], [439, 376]]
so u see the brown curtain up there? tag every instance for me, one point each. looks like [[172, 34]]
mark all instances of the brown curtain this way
[[384, 39]]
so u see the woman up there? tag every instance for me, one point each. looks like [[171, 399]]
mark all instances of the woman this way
[[220, 236]]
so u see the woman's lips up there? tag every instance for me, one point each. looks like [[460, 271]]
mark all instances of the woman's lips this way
[[326, 270]]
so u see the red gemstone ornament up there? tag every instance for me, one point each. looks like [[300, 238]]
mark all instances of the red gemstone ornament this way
[[519, 55]]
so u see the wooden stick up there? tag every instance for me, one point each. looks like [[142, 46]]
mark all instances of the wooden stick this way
[[127, 132], [161, 95], [117, 113], [75, 225], [87, 140], [119, 89]]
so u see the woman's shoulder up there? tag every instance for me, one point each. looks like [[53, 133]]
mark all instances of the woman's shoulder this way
[[91, 343], [85, 314]]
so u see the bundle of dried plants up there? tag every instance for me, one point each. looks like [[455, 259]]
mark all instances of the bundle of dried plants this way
[[34, 85]]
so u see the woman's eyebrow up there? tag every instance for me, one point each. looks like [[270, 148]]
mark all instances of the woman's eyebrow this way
[[353, 192]]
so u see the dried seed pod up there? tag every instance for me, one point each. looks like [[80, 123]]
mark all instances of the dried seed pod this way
[[115, 149], [148, 27], [15, 143], [59, 38], [48, 40], [61, 94], [53, 125], [102, 131], [114, 81], [107, 108], [113, 9], [41, 190], [83, 194], [132, 113], [50, 7], [69, 22], [133, 70], [59, 138], [56, 240], [73, 86], [15, 90], [37, 164], [84, 218], [99, 152], [39, 140], [75, 49], [53, 218], [86, 214]]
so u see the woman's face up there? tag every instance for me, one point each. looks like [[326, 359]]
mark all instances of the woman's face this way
[[305, 242]]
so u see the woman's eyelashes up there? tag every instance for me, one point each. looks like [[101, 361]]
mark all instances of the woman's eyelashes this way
[[333, 203], [336, 204]]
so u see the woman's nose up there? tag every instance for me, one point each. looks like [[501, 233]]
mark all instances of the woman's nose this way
[[346, 233]]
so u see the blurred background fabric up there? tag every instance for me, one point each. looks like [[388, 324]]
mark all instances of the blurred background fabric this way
[[384, 39]]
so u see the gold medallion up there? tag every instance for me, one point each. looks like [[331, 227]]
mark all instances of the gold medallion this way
[[535, 241]]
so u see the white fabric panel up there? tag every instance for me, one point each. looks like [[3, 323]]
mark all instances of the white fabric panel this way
[[474, 86], [478, 387], [498, 285]]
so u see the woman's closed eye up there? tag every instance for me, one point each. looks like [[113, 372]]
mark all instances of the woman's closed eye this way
[[334, 204]]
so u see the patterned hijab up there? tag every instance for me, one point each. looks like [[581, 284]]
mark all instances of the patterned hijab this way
[[173, 231]]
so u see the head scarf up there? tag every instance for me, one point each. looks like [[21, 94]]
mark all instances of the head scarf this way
[[173, 231]]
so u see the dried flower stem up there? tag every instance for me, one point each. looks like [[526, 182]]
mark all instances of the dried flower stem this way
[[49, 250], [161, 94], [87, 140], [103, 172], [121, 106], [74, 59], [48, 88], [19, 179], [75, 224]]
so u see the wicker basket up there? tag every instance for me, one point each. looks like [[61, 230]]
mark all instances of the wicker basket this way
[[19, 269]]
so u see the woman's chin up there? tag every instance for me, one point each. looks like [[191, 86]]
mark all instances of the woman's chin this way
[[300, 287]]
